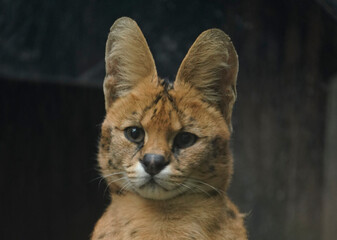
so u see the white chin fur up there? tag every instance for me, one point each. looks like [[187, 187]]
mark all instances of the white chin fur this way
[[158, 189]]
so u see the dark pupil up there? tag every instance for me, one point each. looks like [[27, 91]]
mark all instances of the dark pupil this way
[[185, 139], [134, 133]]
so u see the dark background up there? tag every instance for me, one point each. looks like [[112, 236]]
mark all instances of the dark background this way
[[51, 99]]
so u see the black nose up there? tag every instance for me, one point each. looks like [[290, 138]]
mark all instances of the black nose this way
[[153, 163]]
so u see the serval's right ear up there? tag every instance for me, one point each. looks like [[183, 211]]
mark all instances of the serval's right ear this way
[[128, 60]]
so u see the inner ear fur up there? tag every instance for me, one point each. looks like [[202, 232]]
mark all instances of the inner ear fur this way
[[211, 66], [128, 60]]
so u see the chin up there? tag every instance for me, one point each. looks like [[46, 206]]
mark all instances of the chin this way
[[155, 192]]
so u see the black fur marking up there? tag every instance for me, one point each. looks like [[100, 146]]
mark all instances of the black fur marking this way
[[231, 213], [119, 192], [210, 177], [111, 164], [211, 168], [213, 193], [216, 146], [105, 140], [166, 83], [101, 236], [173, 103], [139, 147], [154, 113], [133, 233], [176, 152], [127, 223], [213, 226], [159, 96], [179, 170], [155, 101], [128, 166], [134, 113]]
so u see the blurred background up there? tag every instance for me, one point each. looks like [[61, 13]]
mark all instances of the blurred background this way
[[285, 118]]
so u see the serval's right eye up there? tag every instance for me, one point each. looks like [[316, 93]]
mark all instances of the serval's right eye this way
[[134, 134]]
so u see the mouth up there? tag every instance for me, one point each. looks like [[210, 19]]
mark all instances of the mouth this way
[[156, 190], [152, 184]]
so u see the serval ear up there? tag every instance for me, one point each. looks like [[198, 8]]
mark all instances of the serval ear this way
[[128, 60], [211, 66]]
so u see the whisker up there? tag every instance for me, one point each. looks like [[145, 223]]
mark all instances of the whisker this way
[[125, 187], [200, 189], [115, 180], [186, 186], [112, 174], [100, 177], [106, 176], [208, 185], [131, 177]]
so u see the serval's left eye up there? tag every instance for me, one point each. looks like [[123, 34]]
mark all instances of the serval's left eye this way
[[134, 134], [185, 140]]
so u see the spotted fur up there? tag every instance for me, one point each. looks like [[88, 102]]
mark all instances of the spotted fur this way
[[187, 199]]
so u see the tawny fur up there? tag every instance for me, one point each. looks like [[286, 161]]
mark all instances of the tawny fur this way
[[188, 199]]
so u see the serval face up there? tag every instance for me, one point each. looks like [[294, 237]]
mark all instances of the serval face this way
[[162, 139]]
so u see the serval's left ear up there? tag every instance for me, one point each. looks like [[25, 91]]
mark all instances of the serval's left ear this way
[[211, 66]]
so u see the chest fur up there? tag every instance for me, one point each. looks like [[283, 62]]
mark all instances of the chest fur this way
[[137, 219]]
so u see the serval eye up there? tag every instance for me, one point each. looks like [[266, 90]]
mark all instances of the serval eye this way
[[185, 140], [134, 134]]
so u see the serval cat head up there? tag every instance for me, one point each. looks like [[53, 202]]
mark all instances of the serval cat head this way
[[161, 139]]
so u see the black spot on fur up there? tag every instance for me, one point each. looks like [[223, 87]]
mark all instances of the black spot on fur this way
[[127, 222], [101, 236], [176, 152], [213, 193], [214, 226], [112, 165], [128, 166], [133, 233], [105, 139], [217, 145], [179, 170], [119, 192], [191, 119], [231, 213]]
